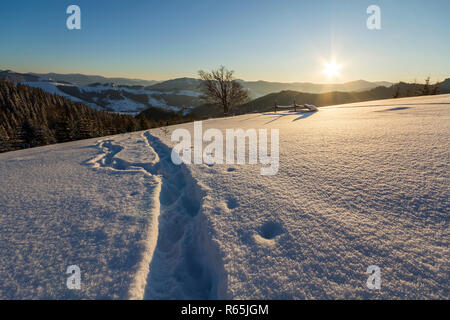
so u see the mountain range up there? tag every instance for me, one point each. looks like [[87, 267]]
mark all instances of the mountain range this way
[[287, 97], [257, 87], [262, 88], [182, 95], [179, 95]]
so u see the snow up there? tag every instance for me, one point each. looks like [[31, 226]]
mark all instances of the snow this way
[[58, 210], [124, 105], [105, 87], [51, 87], [310, 107], [127, 104], [358, 185], [189, 93], [98, 89]]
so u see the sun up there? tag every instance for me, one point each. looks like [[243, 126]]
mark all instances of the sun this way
[[332, 69]]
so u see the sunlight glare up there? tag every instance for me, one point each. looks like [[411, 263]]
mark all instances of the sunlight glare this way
[[332, 69]]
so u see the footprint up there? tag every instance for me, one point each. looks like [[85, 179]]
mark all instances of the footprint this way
[[190, 205], [232, 203], [270, 230]]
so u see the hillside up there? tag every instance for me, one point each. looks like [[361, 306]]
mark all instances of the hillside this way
[[124, 99], [105, 94], [261, 88], [31, 117], [82, 79], [357, 185], [267, 102], [132, 96]]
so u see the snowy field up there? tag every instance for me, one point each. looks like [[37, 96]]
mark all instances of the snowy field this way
[[358, 185]]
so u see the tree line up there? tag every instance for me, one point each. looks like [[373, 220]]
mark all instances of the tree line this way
[[403, 89], [31, 117]]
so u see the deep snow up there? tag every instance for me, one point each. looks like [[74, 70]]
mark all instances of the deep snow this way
[[58, 209], [358, 185]]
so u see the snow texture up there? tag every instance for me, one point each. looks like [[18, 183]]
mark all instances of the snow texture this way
[[358, 185], [76, 204]]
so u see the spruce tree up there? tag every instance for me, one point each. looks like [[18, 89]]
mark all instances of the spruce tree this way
[[396, 92], [436, 88], [426, 87], [64, 131], [32, 136]]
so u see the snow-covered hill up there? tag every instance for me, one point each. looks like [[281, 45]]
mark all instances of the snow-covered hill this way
[[130, 99], [133, 95], [124, 99], [358, 185]]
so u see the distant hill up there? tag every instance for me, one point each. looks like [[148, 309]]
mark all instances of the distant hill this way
[[81, 79], [133, 95], [444, 86], [383, 83], [17, 77], [190, 84], [31, 117], [262, 88], [183, 96], [113, 97], [286, 97], [76, 79]]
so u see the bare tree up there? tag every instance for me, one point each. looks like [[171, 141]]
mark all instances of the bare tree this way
[[219, 87]]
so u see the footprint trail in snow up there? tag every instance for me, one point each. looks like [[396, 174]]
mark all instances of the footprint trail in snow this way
[[178, 261]]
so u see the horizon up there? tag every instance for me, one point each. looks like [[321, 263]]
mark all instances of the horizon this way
[[292, 40], [418, 81]]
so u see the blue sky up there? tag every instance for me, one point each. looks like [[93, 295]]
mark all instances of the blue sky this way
[[284, 40]]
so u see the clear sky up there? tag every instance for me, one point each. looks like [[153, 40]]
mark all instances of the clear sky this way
[[274, 40]]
